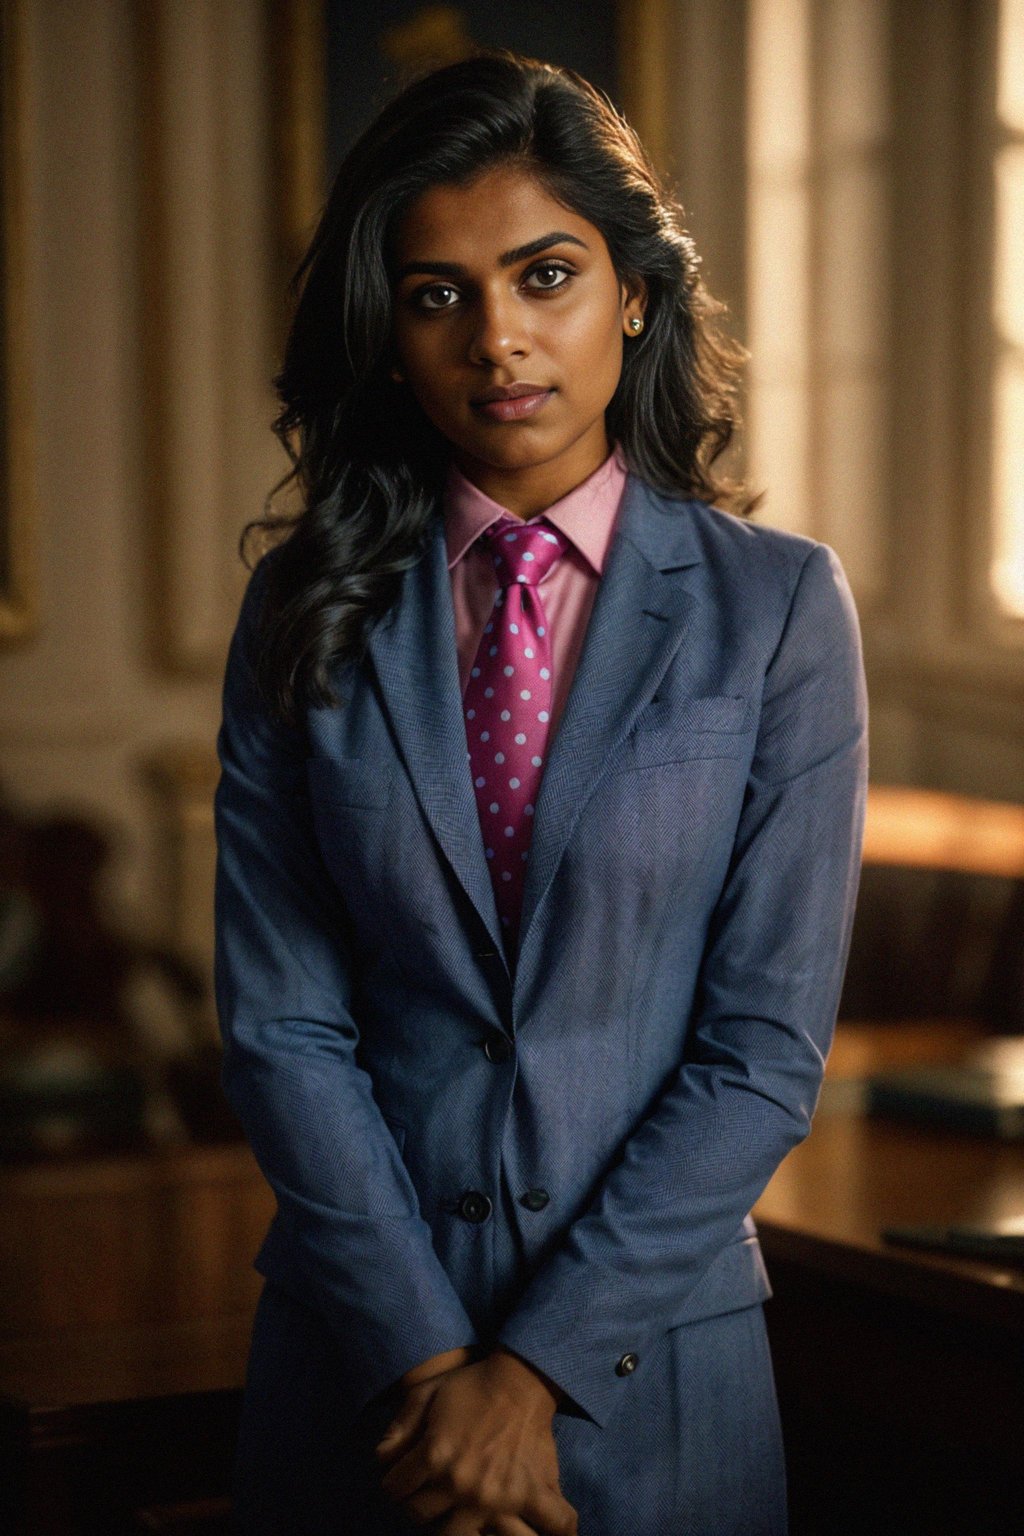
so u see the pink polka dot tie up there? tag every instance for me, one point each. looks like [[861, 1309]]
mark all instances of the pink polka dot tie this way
[[507, 706]]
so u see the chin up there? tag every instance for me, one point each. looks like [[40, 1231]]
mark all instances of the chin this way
[[515, 450]]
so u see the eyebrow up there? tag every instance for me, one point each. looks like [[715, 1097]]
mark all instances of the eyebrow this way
[[506, 259]]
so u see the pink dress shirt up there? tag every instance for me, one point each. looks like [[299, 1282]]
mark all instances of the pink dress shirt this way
[[587, 516]]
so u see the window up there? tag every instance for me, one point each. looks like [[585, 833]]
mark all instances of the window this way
[[1007, 568]]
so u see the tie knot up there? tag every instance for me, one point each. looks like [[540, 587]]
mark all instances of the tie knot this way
[[524, 552]]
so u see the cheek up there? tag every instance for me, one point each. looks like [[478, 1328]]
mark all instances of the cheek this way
[[426, 367], [593, 348]]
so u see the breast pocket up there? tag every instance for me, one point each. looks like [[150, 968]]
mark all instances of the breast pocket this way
[[677, 730]]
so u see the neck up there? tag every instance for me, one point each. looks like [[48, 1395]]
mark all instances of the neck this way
[[525, 492]]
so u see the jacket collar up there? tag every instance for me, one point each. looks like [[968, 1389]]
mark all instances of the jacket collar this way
[[636, 626]]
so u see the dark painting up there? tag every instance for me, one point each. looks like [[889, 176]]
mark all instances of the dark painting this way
[[373, 49]]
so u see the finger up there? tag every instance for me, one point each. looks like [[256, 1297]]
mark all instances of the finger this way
[[408, 1474], [428, 1503], [509, 1525], [401, 1432], [466, 1522], [469, 1522], [550, 1512]]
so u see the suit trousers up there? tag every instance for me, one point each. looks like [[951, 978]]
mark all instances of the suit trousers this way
[[303, 1469]]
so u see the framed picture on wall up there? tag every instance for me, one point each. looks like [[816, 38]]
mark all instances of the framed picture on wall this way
[[335, 63]]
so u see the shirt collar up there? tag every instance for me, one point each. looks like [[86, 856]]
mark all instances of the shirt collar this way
[[586, 515]]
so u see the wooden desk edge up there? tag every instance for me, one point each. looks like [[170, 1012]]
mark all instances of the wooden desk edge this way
[[989, 1294]]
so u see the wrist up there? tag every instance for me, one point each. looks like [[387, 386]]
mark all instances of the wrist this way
[[437, 1365], [527, 1376]]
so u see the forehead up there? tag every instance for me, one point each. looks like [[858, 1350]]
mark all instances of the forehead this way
[[473, 223]]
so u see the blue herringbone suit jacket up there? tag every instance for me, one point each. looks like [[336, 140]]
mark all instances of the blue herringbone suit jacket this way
[[561, 1154]]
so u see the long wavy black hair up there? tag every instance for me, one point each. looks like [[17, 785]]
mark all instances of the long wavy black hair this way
[[367, 463]]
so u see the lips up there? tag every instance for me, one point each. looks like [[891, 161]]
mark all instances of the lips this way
[[509, 392], [512, 402]]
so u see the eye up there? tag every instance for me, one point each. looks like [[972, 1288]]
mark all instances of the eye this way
[[437, 296], [550, 275]]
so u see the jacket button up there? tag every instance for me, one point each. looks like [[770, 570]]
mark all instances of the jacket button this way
[[626, 1366], [497, 1047], [474, 1206], [535, 1199]]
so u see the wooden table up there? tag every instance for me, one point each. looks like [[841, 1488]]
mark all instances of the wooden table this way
[[900, 1373], [126, 1298], [126, 1302]]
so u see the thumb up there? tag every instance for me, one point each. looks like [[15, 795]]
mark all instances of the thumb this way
[[401, 1430]]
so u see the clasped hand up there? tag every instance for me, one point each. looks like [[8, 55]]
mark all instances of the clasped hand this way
[[472, 1448]]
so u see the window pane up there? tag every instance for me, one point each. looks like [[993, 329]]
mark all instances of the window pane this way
[[1009, 253], [1008, 563], [1010, 95]]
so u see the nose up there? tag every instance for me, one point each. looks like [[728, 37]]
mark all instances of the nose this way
[[500, 332]]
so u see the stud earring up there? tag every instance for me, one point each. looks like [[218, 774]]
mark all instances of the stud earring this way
[[636, 325]]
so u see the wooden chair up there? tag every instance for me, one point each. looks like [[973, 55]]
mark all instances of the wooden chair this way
[[937, 955]]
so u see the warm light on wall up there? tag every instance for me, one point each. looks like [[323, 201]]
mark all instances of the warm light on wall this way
[[1007, 572], [818, 142]]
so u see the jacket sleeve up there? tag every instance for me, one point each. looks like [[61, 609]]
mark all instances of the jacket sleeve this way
[[761, 1028], [363, 1254]]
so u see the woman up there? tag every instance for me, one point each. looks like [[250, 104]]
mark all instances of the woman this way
[[539, 829]]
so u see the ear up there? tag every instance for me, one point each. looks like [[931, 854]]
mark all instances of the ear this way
[[633, 294]]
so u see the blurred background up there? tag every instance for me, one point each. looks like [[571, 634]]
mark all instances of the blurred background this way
[[853, 174]]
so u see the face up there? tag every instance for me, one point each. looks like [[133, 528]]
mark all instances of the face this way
[[509, 327]]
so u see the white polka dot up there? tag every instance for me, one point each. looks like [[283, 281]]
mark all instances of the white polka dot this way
[[493, 651], [510, 538], [480, 783], [513, 783], [499, 757], [488, 628], [485, 735], [506, 715], [489, 852], [536, 761], [529, 652], [542, 714], [545, 672], [523, 578], [514, 628], [527, 810], [508, 671], [488, 693], [540, 629], [506, 874], [552, 538], [470, 714], [521, 740], [525, 694], [494, 806], [475, 672], [510, 831], [527, 555]]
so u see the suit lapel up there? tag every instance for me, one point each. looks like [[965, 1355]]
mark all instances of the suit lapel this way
[[413, 652], [635, 628]]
